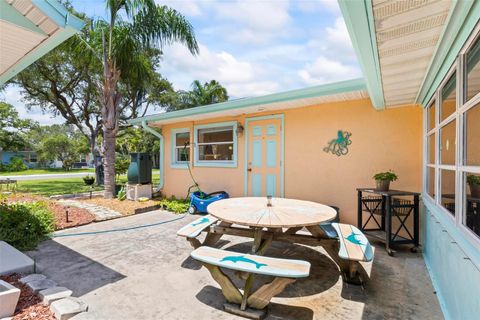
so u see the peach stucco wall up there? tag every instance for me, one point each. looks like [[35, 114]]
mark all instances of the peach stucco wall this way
[[381, 140]]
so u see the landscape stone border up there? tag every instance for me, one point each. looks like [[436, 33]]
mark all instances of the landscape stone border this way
[[60, 299]]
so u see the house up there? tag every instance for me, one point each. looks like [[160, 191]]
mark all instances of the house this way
[[30, 159], [416, 111]]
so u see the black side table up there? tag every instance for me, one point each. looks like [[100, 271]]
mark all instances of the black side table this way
[[386, 205]]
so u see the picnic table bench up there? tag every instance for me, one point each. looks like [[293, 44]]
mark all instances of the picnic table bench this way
[[284, 271], [8, 182], [309, 224]]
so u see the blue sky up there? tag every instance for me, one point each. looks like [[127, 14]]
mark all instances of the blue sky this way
[[250, 47]]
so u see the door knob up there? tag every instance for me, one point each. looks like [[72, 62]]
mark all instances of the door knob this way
[[249, 169]]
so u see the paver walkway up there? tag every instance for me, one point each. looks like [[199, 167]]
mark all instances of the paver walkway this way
[[147, 274], [101, 213]]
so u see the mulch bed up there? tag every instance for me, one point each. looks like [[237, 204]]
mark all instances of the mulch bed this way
[[76, 216], [29, 305], [125, 207]]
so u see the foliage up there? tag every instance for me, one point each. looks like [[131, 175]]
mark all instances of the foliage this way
[[12, 129], [174, 205], [147, 28], [15, 164], [133, 140], [24, 225], [473, 179], [58, 148], [121, 165], [200, 95], [89, 180], [122, 194], [389, 176]]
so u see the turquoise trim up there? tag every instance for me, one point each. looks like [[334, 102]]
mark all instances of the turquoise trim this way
[[282, 154], [358, 17], [467, 247], [161, 152], [463, 19], [53, 9], [311, 92], [13, 16], [215, 164], [173, 163], [271, 185], [256, 185], [257, 153], [58, 13], [271, 153]]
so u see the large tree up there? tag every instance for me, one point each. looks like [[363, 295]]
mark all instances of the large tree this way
[[147, 26], [13, 129], [200, 95]]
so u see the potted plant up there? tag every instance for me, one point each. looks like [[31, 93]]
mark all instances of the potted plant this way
[[474, 184], [89, 180], [383, 180]]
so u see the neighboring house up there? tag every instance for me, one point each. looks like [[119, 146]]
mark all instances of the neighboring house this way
[[417, 112], [30, 159]]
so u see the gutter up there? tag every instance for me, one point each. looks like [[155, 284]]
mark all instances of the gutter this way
[[161, 153]]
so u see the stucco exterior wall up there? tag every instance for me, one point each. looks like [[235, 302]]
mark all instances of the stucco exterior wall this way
[[381, 140]]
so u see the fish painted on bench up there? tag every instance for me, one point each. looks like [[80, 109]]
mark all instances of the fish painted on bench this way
[[202, 221], [236, 259], [353, 239]]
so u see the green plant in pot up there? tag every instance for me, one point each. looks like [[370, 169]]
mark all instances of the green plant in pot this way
[[89, 180], [383, 180], [474, 184]]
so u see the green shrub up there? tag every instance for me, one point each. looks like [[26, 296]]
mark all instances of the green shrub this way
[[174, 205], [25, 224], [16, 164]]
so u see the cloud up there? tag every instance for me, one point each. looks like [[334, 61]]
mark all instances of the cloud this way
[[324, 70], [187, 8], [12, 96], [241, 78], [310, 6]]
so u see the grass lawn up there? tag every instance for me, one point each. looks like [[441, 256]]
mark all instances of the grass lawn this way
[[64, 185], [54, 187], [44, 171]]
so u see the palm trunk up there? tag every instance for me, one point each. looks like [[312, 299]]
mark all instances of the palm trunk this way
[[109, 162], [110, 112]]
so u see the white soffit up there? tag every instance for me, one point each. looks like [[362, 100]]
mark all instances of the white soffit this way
[[272, 107], [407, 33]]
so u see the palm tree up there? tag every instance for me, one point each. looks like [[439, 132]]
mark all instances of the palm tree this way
[[201, 94], [147, 26]]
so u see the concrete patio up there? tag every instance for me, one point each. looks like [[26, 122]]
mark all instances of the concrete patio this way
[[146, 273]]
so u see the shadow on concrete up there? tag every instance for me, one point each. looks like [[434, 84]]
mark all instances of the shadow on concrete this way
[[213, 297], [324, 272], [71, 269]]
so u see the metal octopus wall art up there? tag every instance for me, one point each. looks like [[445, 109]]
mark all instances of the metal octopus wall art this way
[[339, 145]]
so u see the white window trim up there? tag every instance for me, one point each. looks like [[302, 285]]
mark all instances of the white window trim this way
[[459, 167], [215, 163], [173, 146]]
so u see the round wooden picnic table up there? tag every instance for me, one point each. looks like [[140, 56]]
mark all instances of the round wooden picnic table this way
[[271, 213]]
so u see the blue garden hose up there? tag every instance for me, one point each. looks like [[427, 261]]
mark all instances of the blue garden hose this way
[[116, 230]]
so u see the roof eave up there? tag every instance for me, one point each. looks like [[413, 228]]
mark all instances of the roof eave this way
[[358, 17], [316, 91]]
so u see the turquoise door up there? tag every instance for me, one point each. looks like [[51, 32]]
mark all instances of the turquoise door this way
[[264, 163]]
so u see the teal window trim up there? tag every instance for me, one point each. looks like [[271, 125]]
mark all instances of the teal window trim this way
[[216, 163], [282, 154], [173, 144]]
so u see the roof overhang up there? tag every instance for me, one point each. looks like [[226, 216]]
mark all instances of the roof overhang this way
[[404, 46], [333, 92], [29, 30]]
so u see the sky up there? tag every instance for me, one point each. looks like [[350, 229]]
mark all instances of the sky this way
[[252, 47]]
